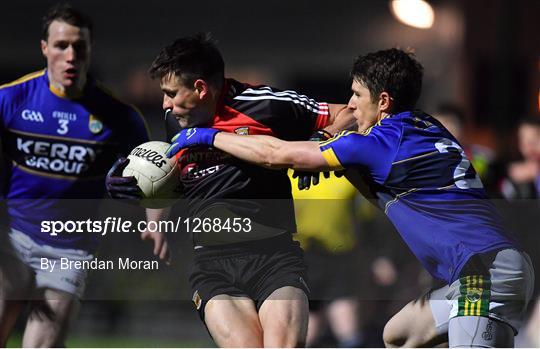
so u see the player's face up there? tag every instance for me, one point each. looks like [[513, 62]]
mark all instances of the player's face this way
[[67, 50], [529, 142], [365, 111], [185, 103]]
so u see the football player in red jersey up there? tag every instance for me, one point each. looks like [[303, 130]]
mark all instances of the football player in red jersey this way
[[249, 284]]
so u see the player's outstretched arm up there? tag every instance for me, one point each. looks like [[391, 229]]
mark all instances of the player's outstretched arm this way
[[272, 152], [265, 151]]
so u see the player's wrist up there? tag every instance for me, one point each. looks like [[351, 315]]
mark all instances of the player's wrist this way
[[200, 136], [213, 135], [191, 137]]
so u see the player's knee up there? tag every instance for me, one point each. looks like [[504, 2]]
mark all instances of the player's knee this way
[[286, 333], [398, 334], [46, 340], [291, 343], [227, 336], [243, 341], [43, 334], [278, 339], [17, 281]]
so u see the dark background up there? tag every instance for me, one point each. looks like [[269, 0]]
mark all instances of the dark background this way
[[482, 54]]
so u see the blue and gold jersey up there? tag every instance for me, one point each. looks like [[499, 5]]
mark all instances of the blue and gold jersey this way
[[420, 176], [58, 148]]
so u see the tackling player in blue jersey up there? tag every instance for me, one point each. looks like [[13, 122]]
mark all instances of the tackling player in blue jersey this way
[[61, 131], [417, 172]]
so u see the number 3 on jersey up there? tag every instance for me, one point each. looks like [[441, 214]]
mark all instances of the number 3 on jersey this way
[[63, 127], [460, 172]]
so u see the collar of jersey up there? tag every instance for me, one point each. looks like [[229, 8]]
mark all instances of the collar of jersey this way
[[59, 93], [221, 102]]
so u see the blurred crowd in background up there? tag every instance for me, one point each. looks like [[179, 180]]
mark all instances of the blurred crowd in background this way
[[482, 79]]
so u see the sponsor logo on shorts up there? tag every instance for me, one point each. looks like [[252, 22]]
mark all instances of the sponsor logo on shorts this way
[[72, 282], [488, 333], [197, 300]]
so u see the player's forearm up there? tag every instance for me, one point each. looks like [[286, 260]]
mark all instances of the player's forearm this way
[[260, 150], [272, 152], [341, 118]]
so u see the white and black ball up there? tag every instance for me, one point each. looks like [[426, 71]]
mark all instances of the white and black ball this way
[[157, 176]]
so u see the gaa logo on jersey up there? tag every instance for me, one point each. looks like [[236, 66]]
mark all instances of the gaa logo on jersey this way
[[95, 125], [32, 115], [242, 131]]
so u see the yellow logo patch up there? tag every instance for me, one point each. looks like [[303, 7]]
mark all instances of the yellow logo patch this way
[[242, 131]]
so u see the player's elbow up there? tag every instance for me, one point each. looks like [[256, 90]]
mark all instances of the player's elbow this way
[[275, 158], [290, 155]]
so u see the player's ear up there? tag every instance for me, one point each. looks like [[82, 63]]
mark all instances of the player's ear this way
[[201, 88], [43, 45], [385, 102]]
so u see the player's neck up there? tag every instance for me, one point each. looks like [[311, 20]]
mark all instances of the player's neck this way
[[215, 101], [383, 115]]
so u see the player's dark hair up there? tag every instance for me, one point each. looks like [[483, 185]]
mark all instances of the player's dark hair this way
[[530, 121], [190, 58], [64, 12], [394, 71]]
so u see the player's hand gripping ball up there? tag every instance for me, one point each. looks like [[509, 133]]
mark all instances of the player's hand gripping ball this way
[[157, 176]]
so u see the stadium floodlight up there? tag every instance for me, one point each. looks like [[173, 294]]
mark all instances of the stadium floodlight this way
[[416, 13]]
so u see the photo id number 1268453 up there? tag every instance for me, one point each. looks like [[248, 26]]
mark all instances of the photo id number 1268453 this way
[[206, 225]]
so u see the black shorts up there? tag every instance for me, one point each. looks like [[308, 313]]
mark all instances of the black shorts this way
[[251, 269]]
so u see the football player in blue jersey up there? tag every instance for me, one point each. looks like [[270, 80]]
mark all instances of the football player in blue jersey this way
[[417, 172], [61, 131]]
